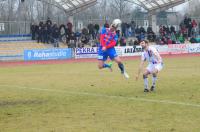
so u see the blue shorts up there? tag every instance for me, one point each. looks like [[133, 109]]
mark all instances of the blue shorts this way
[[103, 55]]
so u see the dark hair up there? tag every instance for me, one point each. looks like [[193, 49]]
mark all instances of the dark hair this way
[[146, 41]]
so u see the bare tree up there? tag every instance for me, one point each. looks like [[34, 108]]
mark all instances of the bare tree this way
[[120, 8], [194, 9]]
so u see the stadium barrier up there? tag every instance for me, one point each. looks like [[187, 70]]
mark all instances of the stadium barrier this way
[[92, 52], [16, 37]]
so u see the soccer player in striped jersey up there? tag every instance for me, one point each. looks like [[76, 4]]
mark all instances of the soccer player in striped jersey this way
[[155, 65], [108, 40]]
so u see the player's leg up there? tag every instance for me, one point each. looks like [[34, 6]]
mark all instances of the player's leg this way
[[147, 71], [102, 64], [146, 83], [157, 68], [121, 66], [113, 56], [154, 78], [102, 57]]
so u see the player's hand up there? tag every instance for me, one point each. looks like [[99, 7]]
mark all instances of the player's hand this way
[[104, 48], [137, 77]]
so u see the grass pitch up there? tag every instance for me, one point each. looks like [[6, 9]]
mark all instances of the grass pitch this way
[[77, 97]]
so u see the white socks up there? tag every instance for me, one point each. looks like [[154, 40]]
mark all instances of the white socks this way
[[146, 83], [154, 81]]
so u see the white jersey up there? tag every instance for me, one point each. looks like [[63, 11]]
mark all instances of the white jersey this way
[[151, 55]]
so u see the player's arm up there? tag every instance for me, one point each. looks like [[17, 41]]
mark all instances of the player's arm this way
[[102, 41], [102, 36], [140, 69], [157, 55], [113, 42]]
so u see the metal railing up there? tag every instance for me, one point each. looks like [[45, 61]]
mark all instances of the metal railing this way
[[14, 27]]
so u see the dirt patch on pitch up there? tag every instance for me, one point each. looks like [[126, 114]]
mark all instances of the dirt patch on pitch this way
[[21, 102]]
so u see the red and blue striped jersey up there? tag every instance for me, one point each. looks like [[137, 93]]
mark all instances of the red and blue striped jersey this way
[[108, 39]]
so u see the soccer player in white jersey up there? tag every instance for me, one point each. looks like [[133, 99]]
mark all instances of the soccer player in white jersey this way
[[155, 65]]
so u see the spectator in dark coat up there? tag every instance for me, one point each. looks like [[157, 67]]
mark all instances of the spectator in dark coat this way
[[84, 36], [186, 21], [69, 27], [142, 30], [172, 29], [133, 26], [91, 30], [189, 28], [33, 31], [96, 27], [55, 35], [45, 34], [123, 41], [123, 26], [39, 32], [48, 22], [136, 42], [137, 32], [49, 30]]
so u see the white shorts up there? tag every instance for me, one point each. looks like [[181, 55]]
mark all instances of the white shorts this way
[[152, 67]]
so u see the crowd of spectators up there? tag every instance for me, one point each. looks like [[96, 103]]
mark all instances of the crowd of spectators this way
[[47, 32], [187, 32]]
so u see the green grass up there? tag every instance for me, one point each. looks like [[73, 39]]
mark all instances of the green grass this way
[[78, 97]]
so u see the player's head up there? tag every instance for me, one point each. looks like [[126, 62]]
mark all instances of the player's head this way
[[144, 44], [116, 24]]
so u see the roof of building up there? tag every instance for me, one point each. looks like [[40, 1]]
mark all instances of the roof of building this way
[[71, 6], [153, 5]]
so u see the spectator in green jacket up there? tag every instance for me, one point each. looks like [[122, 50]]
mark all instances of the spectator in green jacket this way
[[181, 38]]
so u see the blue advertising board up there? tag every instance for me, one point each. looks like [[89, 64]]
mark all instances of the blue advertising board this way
[[47, 54]]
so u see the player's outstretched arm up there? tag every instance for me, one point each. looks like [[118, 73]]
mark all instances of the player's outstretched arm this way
[[139, 70]]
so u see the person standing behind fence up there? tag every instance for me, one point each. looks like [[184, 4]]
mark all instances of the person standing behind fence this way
[[55, 35], [96, 27], [33, 31], [39, 39], [49, 22], [123, 27], [49, 28], [194, 27], [133, 26], [91, 30], [45, 34]]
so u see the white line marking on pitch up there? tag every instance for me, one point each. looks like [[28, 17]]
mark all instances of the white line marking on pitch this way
[[108, 96]]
